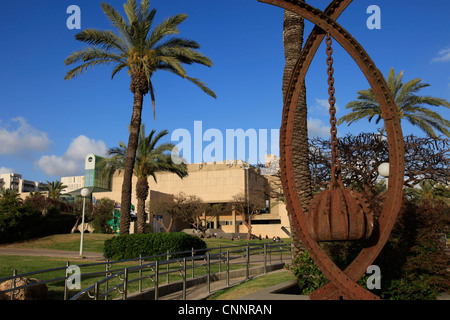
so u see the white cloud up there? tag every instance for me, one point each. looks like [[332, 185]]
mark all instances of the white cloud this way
[[322, 106], [6, 170], [443, 56], [316, 128], [19, 137], [71, 163]]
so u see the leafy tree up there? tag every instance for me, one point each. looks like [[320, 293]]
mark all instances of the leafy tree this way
[[102, 213], [411, 107], [143, 51]]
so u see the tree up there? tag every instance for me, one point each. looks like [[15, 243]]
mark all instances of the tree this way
[[426, 159], [248, 208], [293, 29], [54, 189], [166, 207], [10, 198], [143, 51], [431, 191], [411, 107], [192, 209], [151, 159]]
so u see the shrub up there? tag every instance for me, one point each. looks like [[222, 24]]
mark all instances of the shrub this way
[[102, 213], [130, 246], [26, 222], [18, 223], [309, 277]]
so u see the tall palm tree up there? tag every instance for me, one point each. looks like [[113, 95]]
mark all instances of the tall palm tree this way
[[143, 51], [151, 157], [293, 29], [411, 107], [54, 189]]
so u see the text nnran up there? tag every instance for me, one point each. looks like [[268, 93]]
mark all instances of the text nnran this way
[[247, 309]]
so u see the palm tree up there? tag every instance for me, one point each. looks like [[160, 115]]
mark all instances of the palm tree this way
[[10, 198], [54, 189], [151, 158], [411, 107], [293, 29], [143, 51]]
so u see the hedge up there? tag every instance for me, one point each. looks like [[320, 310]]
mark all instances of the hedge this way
[[25, 222], [129, 246]]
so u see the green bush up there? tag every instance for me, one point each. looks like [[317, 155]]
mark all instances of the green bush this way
[[129, 246], [18, 223], [25, 222], [309, 277]]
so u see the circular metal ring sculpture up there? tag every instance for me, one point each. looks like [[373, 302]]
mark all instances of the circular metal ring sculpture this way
[[342, 282]]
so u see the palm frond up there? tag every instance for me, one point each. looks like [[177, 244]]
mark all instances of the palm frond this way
[[165, 28], [117, 20], [409, 105], [106, 39]]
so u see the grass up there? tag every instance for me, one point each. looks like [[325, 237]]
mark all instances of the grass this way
[[93, 242], [253, 285]]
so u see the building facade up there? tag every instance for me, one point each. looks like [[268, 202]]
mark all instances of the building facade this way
[[14, 181], [216, 182]]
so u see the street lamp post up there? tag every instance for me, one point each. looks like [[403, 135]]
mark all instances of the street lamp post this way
[[383, 170], [84, 193]]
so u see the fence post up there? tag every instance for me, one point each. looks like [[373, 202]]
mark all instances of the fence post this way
[[208, 274], [156, 280], [270, 254], [192, 262], [228, 268], [265, 258], [125, 284], [107, 275], [281, 252], [96, 291], [184, 278], [140, 273], [167, 275], [13, 284], [247, 258], [66, 290], [220, 258]]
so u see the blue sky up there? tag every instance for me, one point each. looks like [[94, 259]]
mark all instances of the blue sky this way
[[48, 125]]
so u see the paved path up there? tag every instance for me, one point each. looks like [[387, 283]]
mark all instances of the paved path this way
[[50, 253]]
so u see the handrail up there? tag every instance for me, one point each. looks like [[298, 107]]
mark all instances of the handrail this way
[[211, 258]]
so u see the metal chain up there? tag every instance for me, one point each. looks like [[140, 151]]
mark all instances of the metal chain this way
[[335, 165]]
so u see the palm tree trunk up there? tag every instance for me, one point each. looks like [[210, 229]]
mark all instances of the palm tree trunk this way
[[293, 28], [139, 87], [142, 188]]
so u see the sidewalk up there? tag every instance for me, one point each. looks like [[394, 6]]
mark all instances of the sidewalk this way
[[51, 253]]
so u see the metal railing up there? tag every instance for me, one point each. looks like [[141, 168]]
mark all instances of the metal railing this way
[[197, 263]]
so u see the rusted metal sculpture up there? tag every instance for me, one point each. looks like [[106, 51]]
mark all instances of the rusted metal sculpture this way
[[339, 203]]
